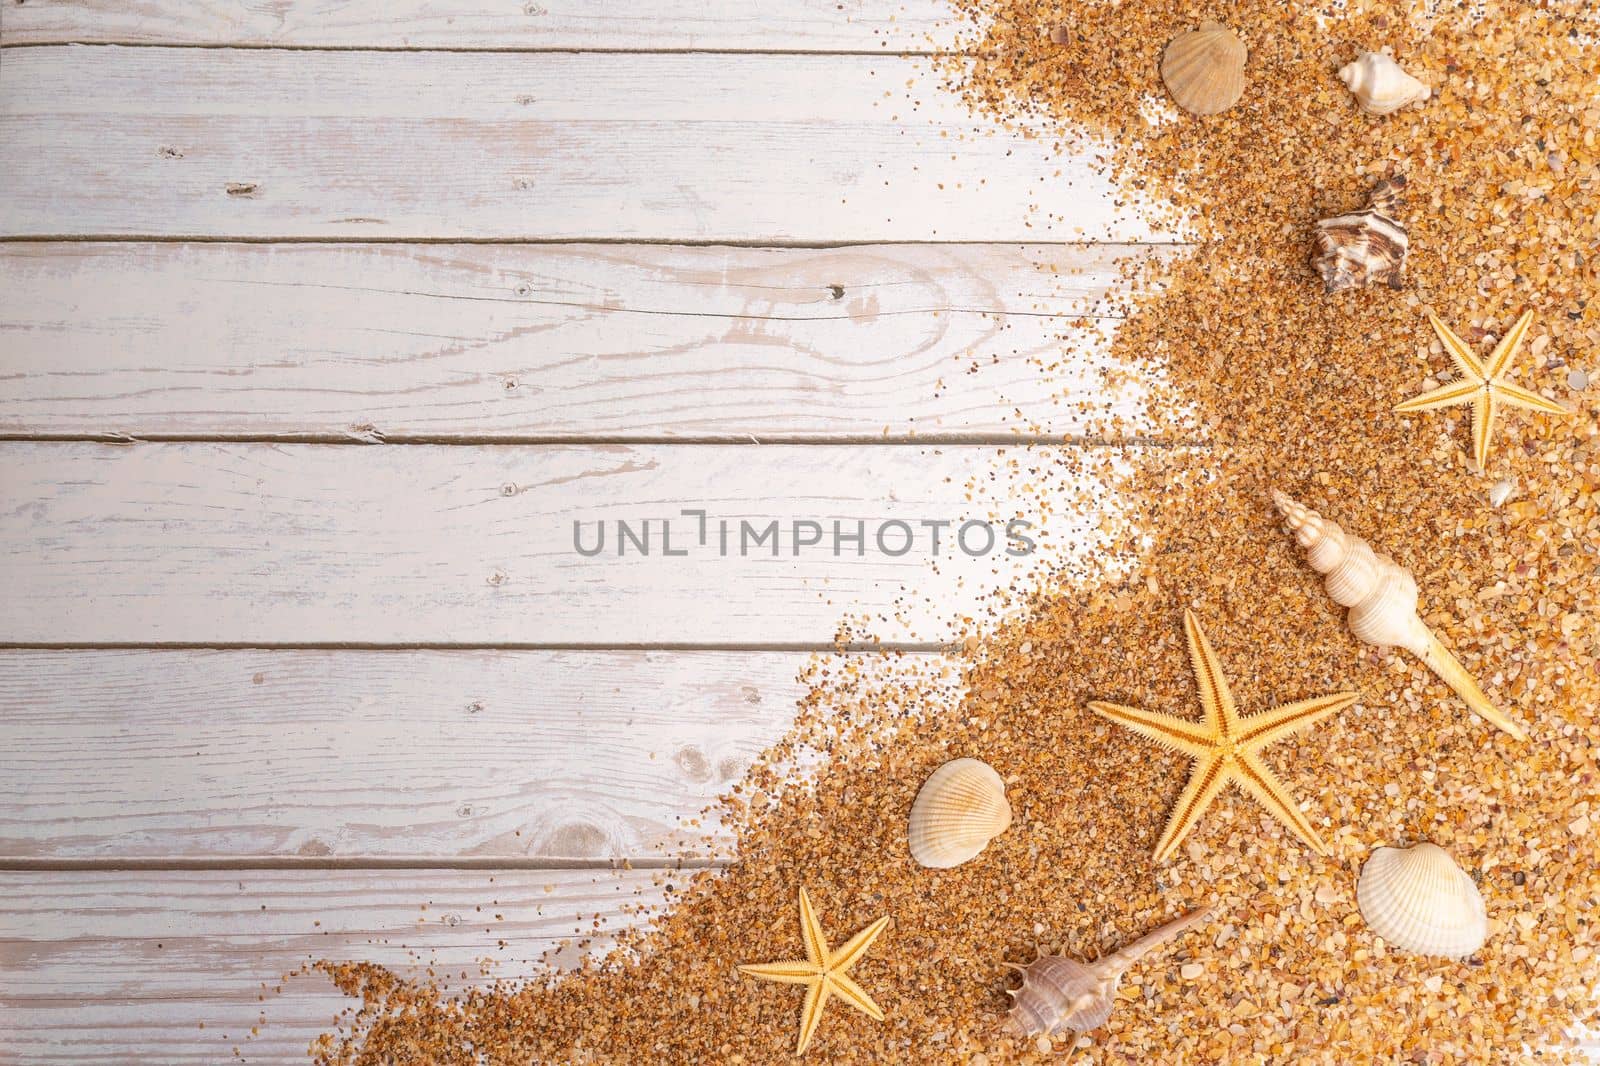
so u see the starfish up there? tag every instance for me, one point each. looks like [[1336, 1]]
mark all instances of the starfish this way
[[1225, 747], [1482, 384], [823, 971]]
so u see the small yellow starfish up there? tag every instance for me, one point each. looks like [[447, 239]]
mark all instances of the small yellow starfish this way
[[1225, 747], [823, 971], [1481, 384]]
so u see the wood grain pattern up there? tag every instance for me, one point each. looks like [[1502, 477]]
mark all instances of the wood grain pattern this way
[[747, 148], [184, 968], [354, 754], [179, 967], [424, 544], [378, 341], [796, 25]]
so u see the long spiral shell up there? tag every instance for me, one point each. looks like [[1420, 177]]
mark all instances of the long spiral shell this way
[[1382, 597], [1060, 993]]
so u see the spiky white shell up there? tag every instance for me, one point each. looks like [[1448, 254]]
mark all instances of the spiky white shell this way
[[1419, 900], [1380, 85], [1204, 69], [959, 809]]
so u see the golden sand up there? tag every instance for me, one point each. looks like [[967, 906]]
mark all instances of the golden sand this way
[[1274, 385]]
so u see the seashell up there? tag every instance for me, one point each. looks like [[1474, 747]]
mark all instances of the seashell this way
[[1204, 69], [1382, 597], [959, 809], [1419, 900], [1380, 85], [1365, 247], [1062, 993]]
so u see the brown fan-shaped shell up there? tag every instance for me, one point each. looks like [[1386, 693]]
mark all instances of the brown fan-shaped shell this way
[[1204, 69]]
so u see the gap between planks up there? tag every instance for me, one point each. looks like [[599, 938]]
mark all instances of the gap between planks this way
[[930, 440], [178, 863], [737, 647], [756, 243], [251, 46]]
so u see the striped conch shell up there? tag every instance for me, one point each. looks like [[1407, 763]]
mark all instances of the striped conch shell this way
[[1419, 900], [1366, 247], [1062, 993], [959, 809], [1382, 597], [1380, 85]]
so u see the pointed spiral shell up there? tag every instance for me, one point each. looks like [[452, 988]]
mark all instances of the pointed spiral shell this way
[[1060, 993], [1381, 595]]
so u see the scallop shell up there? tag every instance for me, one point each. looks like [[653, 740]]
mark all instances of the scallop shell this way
[[1204, 69], [1366, 247], [959, 809], [1380, 85], [1419, 900]]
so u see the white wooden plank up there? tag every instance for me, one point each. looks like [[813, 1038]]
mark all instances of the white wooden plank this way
[[357, 754], [752, 148], [558, 341], [794, 25], [274, 544], [178, 967]]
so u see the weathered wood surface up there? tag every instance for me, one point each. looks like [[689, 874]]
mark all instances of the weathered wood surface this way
[[381, 341], [748, 148], [356, 754], [438, 544], [123, 967], [640, 25], [324, 759]]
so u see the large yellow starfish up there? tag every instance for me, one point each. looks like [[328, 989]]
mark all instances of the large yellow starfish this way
[[1481, 384], [1225, 747], [823, 971]]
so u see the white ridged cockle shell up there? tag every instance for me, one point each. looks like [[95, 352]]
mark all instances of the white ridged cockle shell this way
[[1419, 900], [959, 809]]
